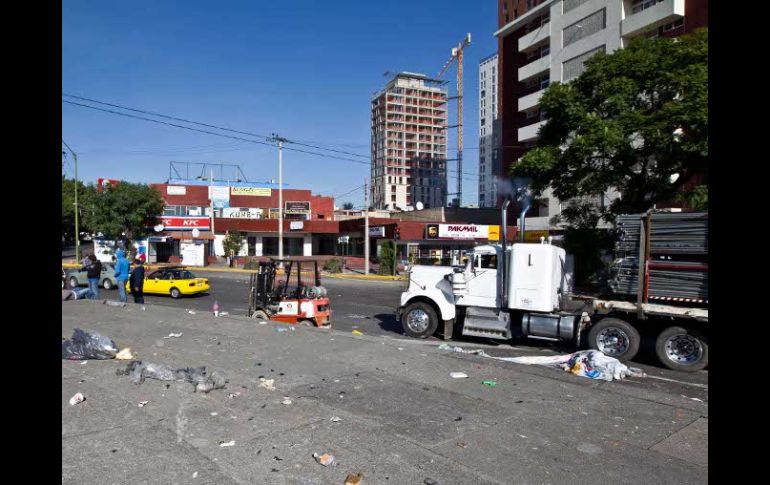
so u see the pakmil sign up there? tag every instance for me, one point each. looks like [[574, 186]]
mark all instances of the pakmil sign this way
[[462, 231]]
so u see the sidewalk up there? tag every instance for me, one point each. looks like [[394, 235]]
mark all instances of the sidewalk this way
[[402, 418]]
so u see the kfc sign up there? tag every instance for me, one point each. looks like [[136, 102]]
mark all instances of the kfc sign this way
[[186, 223], [462, 231], [102, 184]]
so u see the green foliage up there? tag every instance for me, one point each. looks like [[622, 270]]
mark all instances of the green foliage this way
[[251, 264], [347, 206], [125, 207], [387, 253], [632, 120], [233, 242], [697, 198], [68, 207], [333, 265], [583, 240]]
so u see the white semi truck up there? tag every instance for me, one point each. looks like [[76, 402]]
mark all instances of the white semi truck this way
[[525, 291]]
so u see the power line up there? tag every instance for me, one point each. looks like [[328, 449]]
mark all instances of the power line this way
[[349, 192]]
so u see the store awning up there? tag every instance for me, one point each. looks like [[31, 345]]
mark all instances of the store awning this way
[[187, 235]]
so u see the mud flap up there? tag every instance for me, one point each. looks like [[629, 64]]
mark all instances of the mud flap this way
[[448, 329]]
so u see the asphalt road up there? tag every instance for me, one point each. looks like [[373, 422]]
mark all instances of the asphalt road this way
[[369, 306]]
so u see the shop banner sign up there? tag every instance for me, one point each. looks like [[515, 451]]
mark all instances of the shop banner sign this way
[[220, 197], [494, 233], [534, 236], [297, 207], [176, 190], [462, 231], [296, 225], [241, 213], [253, 191], [377, 231], [186, 223]]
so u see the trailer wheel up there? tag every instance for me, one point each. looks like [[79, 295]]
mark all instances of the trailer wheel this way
[[614, 338], [419, 320], [260, 316], [683, 349]]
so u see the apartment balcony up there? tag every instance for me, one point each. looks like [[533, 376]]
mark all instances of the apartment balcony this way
[[654, 16], [534, 68], [530, 100], [529, 132], [535, 37]]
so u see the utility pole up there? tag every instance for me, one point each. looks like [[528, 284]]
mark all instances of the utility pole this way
[[211, 213], [280, 140], [77, 227], [366, 227]]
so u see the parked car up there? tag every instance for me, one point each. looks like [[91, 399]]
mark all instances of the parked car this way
[[175, 281], [76, 278]]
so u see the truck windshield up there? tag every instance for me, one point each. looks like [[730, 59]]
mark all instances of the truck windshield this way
[[488, 261]]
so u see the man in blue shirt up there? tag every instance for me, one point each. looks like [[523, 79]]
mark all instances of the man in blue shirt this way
[[121, 273]]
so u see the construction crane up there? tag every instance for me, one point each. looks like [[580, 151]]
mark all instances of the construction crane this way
[[457, 53]]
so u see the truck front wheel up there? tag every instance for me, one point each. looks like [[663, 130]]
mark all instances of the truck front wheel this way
[[614, 338], [419, 320], [682, 349]]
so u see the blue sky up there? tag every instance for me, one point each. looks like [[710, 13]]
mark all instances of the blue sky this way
[[304, 69]]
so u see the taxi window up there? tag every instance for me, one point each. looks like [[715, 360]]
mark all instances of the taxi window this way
[[488, 261], [186, 275]]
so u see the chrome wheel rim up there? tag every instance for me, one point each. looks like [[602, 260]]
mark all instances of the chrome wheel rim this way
[[684, 349], [613, 341], [417, 320]]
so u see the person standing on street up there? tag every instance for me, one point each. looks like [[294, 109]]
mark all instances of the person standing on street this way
[[93, 272], [136, 282], [121, 273]]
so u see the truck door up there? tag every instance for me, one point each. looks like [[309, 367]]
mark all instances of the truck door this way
[[482, 285]]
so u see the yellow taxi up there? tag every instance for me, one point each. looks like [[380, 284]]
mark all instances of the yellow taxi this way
[[175, 281]]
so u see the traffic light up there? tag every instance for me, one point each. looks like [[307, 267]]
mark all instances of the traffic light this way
[[397, 233]]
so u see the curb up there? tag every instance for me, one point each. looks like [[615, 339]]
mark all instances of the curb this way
[[364, 277]]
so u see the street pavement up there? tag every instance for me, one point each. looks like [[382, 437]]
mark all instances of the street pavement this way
[[369, 306], [402, 418]]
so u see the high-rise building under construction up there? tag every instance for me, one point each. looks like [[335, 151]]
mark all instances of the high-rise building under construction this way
[[409, 143]]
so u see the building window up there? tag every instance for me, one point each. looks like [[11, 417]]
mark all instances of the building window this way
[[575, 66], [571, 5], [585, 27], [640, 5]]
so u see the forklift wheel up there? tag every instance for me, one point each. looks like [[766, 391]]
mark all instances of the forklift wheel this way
[[307, 323], [260, 316]]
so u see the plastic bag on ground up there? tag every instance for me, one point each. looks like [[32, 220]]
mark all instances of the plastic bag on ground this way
[[137, 372], [84, 345], [586, 363]]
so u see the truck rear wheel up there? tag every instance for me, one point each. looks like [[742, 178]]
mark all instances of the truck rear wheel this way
[[419, 320], [683, 349], [614, 338]]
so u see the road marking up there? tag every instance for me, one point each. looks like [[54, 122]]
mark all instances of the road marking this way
[[702, 386]]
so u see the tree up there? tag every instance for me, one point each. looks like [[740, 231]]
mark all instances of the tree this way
[[68, 208], [233, 242], [347, 206], [387, 254], [635, 120], [123, 208]]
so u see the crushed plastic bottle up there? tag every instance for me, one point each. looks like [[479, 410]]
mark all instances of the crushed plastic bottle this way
[[489, 383], [215, 308], [324, 459]]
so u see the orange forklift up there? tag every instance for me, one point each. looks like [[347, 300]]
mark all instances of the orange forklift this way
[[290, 300]]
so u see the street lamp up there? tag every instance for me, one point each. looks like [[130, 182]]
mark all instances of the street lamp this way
[[77, 227]]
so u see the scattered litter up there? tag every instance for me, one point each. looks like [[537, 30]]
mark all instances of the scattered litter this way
[[191, 312], [198, 376], [462, 445], [84, 345], [114, 303], [286, 401], [489, 383], [233, 395], [143, 403], [281, 329], [695, 399], [262, 322], [357, 332], [458, 375], [324, 459], [223, 314], [522, 436], [459, 418], [461, 350], [174, 335], [400, 348], [267, 384], [586, 363], [84, 362], [229, 443], [195, 475], [214, 414], [430, 481], [125, 354], [215, 308], [77, 399], [335, 419], [354, 479]]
